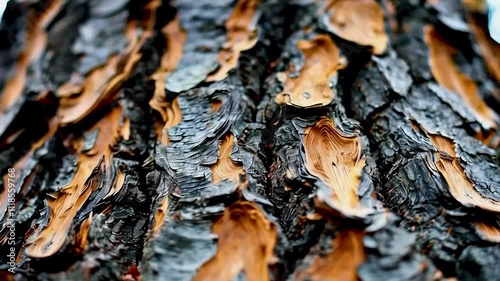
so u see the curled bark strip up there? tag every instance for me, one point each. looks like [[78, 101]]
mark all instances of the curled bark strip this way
[[74, 109], [102, 86]]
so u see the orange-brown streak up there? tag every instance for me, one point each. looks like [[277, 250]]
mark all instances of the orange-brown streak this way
[[475, 5], [225, 168], [65, 203], [312, 86], [169, 111], [82, 235], [161, 212], [73, 109], [103, 84], [448, 75], [461, 188], [36, 40], [342, 263], [335, 158], [246, 242], [359, 21], [488, 232], [241, 37]]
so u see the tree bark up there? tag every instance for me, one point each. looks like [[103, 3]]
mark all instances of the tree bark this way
[[249, 140]]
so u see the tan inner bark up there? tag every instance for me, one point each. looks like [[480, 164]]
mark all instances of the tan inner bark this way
[[241, 36], [246, 243], [359, 21], [312, 87], [225, 168], [336, 159], [342, 262], [448, 76], [65, 204]]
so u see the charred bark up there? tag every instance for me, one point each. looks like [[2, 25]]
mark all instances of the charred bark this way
[[248, 140]]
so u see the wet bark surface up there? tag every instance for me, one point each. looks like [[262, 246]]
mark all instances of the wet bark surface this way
[[249, 140]]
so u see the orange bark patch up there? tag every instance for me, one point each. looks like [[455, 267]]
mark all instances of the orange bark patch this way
[[175, 37], [103, 84], [359, 21], [342, 263], [489, 48], [475, 5], [312, 86], [82, 235], [246, 243], [336, 159], [125, 129], [36, 38], [448, 76], [215, 105], [241, 36], [73, 109], [488, 232], [461, 188], [65, 204], [225, 168], [161, 212], [173, 115]]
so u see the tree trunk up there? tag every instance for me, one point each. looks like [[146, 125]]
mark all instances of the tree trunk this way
[[249, 140]]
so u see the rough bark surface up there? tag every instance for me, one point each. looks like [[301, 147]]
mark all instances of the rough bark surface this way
[[249, 140]]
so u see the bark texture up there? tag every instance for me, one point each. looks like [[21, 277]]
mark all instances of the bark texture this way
[[249, 140]]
